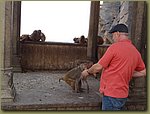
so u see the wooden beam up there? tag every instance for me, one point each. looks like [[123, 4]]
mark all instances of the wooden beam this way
[[93, 30]]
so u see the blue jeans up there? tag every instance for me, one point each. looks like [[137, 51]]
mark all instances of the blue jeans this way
[[110, 103]]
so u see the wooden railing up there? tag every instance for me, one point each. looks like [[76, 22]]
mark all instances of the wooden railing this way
[[53, 56]]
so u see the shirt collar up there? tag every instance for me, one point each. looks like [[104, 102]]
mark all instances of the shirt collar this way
[[125, 40]]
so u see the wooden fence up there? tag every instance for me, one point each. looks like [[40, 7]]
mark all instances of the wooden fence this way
[[53, 56]]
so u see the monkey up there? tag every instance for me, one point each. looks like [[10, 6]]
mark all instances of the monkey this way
[[25, 37], [100, 40], [73, 77], [33, 36], [82, 40], [76, 40], [37, 35]]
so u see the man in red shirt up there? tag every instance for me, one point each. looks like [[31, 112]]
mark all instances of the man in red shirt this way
[[120, 63]]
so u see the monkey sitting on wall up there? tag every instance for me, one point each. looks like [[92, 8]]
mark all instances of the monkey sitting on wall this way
[[82, 40], [37, 35], [73, 77], [76, 40]]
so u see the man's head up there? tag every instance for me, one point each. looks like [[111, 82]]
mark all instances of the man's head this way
[[119, 30]]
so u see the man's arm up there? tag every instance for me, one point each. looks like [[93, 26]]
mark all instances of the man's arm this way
[[92, 71], [95, 69], [139, 73]]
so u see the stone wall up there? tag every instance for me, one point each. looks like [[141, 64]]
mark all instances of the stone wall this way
[[108, 13]]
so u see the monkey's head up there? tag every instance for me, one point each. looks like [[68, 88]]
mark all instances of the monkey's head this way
[[39, 31], [82, 37], [76, 40], [86, 65]]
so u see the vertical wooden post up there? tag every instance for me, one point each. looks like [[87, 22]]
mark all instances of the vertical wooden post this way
[[139, 37], [16, 19], [93, 30], [137, 23], [7, 89], [8, 33]]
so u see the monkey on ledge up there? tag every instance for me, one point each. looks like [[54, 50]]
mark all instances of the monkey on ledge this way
[[36, 36]]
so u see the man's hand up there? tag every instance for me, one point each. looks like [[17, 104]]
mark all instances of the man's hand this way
[[139, 73]]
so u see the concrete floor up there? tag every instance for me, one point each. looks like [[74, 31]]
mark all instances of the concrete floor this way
[[43, 91]]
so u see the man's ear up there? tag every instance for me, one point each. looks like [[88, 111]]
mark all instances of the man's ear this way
[[118, 34]]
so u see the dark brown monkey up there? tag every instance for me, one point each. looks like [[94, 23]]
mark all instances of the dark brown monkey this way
[[82, 40], [73, 77], [35, 36]]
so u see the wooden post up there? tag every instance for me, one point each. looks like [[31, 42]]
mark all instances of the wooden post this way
[[7, 87], [139, 37], [16, 19], [137, 24], [93, 30]]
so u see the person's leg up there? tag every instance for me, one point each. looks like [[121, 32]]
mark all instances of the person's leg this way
[[118, 103], [110, 103], [106, 103]]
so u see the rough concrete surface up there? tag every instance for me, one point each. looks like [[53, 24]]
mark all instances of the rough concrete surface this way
[[44, 88]]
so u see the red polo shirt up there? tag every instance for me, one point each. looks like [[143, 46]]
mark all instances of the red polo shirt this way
[[119, 62]]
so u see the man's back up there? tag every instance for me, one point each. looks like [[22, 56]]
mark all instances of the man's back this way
[[119, 62]]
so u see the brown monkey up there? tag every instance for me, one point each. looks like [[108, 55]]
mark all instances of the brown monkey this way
[[25, 37], [73, 77], [82, 40], [35, 36]]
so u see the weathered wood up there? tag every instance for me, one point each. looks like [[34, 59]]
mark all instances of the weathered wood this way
[[53, 56], [138, 25], [139, 39], [8, 33], [93, 30], [16, 18]]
